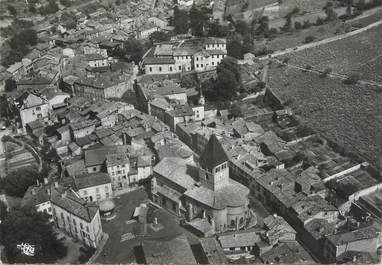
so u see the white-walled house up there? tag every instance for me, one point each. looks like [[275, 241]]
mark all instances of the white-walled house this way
[[93, 186], [32, 107], [68, 211]]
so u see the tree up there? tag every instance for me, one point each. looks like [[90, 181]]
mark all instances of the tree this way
[[234, 49], [247, 44], [12, 10], [51, 8], [263, 27], [180, 21], [160, 36], [134, 49], [307, 24], [226, 84], [236, 110], [228, 79], [32, 9], [242, 28], [297, 25], [326, 72], [309, 39], [3, 211], [352, 79], [197, 21], [217, 30], [319, 21], [189, 81], [28, 226], [330, 13], [10, 85], [66, 3], [17, 182]]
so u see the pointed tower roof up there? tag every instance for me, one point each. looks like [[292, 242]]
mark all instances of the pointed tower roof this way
[[213, 154]]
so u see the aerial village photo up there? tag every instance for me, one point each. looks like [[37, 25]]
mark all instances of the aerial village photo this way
[[191, 132]]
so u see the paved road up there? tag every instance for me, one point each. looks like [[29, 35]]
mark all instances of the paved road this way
[[321, 42]]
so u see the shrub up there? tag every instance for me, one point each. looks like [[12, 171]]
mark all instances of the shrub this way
[[297, 25], [306, 24], [352, 79], [309, 39], [326, 72]]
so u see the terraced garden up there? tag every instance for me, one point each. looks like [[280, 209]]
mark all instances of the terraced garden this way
[[350, 115]]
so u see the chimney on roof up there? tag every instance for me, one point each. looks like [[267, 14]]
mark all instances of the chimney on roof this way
[[33, 191], [48, 191], [63, 194], [45, 181], [38, 183], [56, 184]]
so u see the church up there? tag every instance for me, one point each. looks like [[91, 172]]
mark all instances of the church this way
[[203, 191]]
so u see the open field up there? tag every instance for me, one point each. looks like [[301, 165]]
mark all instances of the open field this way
[[361, 53], [296, 38], [349, 115]]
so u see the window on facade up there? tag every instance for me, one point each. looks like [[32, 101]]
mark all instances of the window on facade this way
[[38, 108], [97, 190], [74, 221], [39, 115], [87, 228], [150, 69], [213, 63], [160, 69], [201, 65], [170, 68], [119, 172], [217, 169], [180, 67], [81, 226], [197, 65], [197, 58], [94, 169]]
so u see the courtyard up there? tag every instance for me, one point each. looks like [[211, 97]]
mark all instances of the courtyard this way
[[125, 234]]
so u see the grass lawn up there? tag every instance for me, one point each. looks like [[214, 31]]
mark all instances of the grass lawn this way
[[123, 252]]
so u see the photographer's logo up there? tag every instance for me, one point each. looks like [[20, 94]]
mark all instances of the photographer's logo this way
[[26, 249]]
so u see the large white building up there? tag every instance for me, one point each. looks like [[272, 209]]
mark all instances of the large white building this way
[[32, 107], [69, 212], [184, 56]]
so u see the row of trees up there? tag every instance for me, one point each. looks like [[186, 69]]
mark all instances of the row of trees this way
[[197, 21]]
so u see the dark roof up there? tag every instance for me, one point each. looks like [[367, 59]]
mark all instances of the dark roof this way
[[71, 202], [175, 251], [213, 154], [213, 251], [91, 180], [158, 60]]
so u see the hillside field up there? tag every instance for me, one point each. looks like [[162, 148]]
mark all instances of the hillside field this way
[[361, 54], [350, 115]]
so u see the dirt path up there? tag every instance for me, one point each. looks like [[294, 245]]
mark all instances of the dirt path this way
[[321, 42], [334, 75]]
